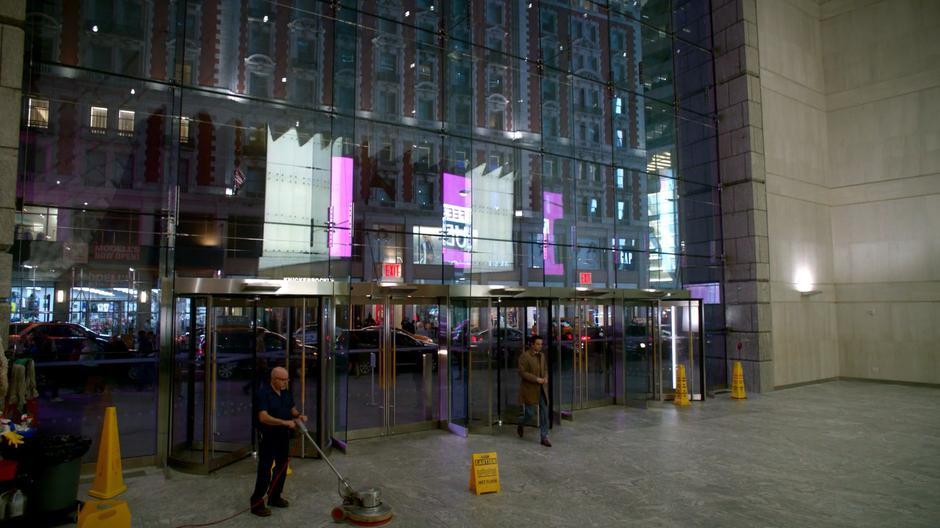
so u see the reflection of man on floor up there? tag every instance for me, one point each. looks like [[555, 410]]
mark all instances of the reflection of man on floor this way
[[276, 414]]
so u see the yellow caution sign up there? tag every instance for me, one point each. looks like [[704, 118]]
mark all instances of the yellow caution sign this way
[[484, 473], [682, 387], [109, 478], [105, 514], [737, 382]]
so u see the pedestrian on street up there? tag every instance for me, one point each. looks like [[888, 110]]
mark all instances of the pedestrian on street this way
[[533, 389], [276, 415]]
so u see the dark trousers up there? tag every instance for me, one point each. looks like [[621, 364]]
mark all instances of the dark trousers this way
[[528, 411], [274, 448]]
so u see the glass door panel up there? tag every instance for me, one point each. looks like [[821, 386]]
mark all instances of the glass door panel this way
[[481, 377], [188, 447], [233, 344], [598, 347], [640, 323], [518, 322], [565, 355], [680, 337], [458, 367], [367, 371], [413, 360]]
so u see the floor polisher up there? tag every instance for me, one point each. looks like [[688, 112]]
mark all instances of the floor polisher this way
[[360, 508]]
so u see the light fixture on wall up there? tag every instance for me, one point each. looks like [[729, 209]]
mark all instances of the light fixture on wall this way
[[143, 296], [60, 296], [804, 282]]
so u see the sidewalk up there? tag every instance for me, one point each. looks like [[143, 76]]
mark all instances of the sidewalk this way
[[835, 454]]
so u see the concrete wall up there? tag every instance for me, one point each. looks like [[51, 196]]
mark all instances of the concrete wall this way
[[795, 141], [12, 15], [881, 63], [851, 118]]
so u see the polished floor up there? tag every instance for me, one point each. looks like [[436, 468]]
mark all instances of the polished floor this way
[[834, 454]]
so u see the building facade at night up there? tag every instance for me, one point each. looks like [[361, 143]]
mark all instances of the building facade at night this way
[[330, 160]]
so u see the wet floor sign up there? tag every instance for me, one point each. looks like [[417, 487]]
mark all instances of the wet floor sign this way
[[484, 473]]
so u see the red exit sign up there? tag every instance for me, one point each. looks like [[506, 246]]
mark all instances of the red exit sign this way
[[586, 278], [391, 271]]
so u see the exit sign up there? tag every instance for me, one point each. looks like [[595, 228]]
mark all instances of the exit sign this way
[[391, 271], [586, 277]]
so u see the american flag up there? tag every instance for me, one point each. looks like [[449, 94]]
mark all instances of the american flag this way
[[238, 178]]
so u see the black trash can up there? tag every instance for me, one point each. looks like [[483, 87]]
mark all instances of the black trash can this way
[[49, 470]]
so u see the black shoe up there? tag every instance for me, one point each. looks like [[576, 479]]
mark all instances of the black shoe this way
[[279, 502], [546, 443], [519, 431], [261, 511]]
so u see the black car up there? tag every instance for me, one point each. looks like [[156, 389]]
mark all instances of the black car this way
[[363, 346], [68, 355]]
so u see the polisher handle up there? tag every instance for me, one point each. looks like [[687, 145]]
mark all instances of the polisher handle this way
[[303, 429]]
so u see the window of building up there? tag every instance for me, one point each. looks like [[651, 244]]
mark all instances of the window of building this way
[[618, 141], [618, 105], [259, 39], [303, 91], [494, 13], [492, 162], [388, 101], [388, 63], [126, 122], [549, 22], [98, 120], [495, 82], [259, 85], [184, 130], [595, 134], [129, 61], [619, 173], [620, 209], [422, 157], [425, 73], [551, 124], [426, 108], [99, 57], [96, 164], [38, 113], [124, 173], [495, 117]]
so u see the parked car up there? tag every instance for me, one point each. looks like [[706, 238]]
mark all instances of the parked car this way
[[55, 341], [68, 355], [242, 352], [361, 344]]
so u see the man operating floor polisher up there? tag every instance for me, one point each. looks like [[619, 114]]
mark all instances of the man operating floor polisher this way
[[360, 508]]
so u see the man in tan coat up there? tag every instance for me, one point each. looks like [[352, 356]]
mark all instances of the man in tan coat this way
[[533, 390]]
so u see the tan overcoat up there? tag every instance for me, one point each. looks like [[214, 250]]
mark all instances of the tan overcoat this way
[[531, 368]]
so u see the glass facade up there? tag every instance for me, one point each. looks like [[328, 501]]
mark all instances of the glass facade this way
[[545, 143]]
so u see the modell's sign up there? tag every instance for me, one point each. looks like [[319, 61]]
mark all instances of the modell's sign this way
[[116, 252]]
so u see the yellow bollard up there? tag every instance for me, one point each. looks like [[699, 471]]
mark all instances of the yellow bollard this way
[[105, 514], [109, 478], [737, 382], [682, 388]]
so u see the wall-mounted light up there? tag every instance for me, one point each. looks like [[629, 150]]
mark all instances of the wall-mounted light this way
[[442, 352], [143, 296], [803, 282], [60, 296]]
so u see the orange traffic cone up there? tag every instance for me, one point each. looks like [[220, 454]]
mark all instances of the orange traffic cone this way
[[737, 382], [682, 387], [109, 479], [104, 514]]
